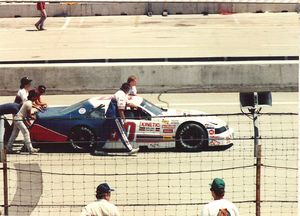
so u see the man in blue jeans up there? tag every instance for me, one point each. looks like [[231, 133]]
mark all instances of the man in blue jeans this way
[[115, 119], [6, 109]]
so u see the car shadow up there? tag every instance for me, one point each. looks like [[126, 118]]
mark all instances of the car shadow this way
[[64, 148]]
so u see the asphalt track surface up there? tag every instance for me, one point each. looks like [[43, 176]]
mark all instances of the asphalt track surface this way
[[131, 37], [167, 182]]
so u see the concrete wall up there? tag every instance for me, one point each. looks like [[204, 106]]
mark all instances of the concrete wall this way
[[93, 9], [159, 77]]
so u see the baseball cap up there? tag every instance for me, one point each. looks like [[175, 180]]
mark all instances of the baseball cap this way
[[25, 81], [104, 188], [217, 184]]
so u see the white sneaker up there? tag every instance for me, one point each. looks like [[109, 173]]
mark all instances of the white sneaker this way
[[34, 150], [134, 151]]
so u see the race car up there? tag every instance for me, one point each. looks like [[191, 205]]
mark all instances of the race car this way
[[149, 126]]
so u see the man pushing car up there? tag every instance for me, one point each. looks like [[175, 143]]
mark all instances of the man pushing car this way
[[115, 119]]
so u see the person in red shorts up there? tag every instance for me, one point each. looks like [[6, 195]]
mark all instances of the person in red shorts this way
[[41, 6]]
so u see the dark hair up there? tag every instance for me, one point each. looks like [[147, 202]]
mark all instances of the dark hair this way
[[32, 94], [42, 88], [100, 195], [131, 78], [125, 87], [219, 192]]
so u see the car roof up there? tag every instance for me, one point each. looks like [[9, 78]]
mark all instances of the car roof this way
[[105, 100]]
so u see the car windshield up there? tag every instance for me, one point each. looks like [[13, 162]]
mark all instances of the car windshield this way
[[73, 107], [151, 107]]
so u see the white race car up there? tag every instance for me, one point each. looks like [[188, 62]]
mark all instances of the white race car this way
[[153, 127], [81, 125]]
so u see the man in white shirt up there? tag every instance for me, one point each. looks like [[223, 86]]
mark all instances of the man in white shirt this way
[[132, 81], [101, 207], [115, 119], [18, 121], [219, 206]]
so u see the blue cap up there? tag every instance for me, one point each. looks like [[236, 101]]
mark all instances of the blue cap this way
[[104, 188]]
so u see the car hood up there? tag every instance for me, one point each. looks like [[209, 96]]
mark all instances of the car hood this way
[[51, 112], [202, 118]]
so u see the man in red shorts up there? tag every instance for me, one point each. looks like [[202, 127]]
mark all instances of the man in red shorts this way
[[41, 6]]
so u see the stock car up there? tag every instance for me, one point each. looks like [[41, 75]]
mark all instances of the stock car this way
[[81, 125]]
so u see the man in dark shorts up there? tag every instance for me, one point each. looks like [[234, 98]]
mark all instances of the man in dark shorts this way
[[41, 6]]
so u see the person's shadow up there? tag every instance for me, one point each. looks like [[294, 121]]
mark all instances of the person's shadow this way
[[29, 189], [32, 30]]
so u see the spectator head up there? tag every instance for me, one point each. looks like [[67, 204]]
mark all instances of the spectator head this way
[[41, 89], [125, 87], [32, 95], [103, 191], [217, 188], [132, 80], [25, 82]]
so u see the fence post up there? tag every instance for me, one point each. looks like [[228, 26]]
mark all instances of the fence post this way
[[3, 160], [257, 154]]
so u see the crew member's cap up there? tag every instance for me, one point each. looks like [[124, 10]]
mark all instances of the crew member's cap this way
[[25, 81], [217, 184], [104, 188]]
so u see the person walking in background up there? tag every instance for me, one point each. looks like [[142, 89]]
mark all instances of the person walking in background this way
[[38, 104], [101, 207], [132, 81], [41, 6], [19, 125], [219, 206], [25, 86]]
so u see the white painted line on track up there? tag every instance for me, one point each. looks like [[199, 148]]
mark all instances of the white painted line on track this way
[[235, 19], [81, 21], [145, 46], [223, 104], [66, 23]]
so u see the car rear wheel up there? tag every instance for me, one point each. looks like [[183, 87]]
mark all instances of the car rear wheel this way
[[191, 137], [82, 138]]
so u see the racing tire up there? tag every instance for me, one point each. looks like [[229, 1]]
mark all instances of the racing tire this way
[[82, 139], [191, 137]]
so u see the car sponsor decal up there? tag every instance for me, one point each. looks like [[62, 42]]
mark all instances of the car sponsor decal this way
[[168, 137], [211, 131], [168, 131], [82, 111], [176, 122], [214, 142], [165, 121], [168, 128], [149, 127]]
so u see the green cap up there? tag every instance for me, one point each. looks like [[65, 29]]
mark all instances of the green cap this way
[[217, 184]]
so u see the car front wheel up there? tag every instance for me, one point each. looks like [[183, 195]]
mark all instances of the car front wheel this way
[[191, 137]]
